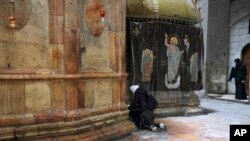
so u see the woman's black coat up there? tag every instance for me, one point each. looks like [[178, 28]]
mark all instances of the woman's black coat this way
[[140, 100]]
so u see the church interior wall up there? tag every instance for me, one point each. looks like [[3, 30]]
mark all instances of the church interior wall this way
[[63, 73], [238, 10], [26, 51], [237, 17], [239, 36], [32, 38]]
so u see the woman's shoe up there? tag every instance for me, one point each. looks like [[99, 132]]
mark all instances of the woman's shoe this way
[[153, 128], [162, 126]]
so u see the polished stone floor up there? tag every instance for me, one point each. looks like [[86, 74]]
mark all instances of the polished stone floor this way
[[213, 126]]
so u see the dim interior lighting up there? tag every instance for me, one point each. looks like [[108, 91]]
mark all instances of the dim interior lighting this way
[[102, 15], [11, 15], [12, 22]]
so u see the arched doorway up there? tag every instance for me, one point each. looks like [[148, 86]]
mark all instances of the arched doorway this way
[[245, 56]]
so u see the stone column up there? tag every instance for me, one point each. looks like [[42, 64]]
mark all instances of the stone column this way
[[56, 34], [217, 46], [72, 36]]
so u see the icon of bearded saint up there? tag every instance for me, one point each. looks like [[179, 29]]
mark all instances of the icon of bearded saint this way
[[147, 65], [172, 81]]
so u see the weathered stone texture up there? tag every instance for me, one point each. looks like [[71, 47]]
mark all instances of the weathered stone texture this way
[[12, 98], [217, 44], [27, 56], [89, 94], [72, 36], [27, 47], [2, 55], [48, 87], [71, 48], [56, 7], [58, 98], [98, 48], [116, 90], [112, 51], [56, 29], [56, 35], [17, 97], [37, 96], [103, 93], [71, 92], [5, 98], [5, 35], [95, 59], [94, 128], [72, 16], [80, 94], [123, 90], [98, 93], [57, 56], [36, 29]]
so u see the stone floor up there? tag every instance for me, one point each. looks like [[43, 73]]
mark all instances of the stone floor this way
[[227, 97], [213, 126]]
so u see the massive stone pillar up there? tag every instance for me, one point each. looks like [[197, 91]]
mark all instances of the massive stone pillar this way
[[217, 46], [59, 81]]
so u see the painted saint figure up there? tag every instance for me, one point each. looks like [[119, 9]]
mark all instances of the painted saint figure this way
[[173, 55], [147, 65], [189, 66]]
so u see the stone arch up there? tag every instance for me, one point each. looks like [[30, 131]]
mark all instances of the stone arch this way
[[238, 10], [245, 57], [234, 21], [239, 38]]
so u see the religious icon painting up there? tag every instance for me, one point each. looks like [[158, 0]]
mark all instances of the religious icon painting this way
[[147, 65], [164, 56], [172, 79]]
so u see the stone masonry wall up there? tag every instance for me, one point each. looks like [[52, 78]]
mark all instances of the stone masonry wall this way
[[46, 88], [239, 36]]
